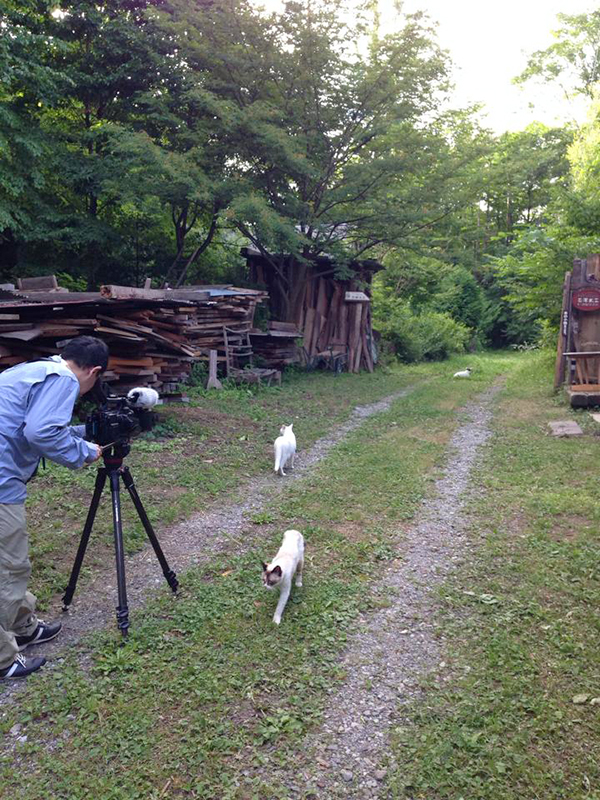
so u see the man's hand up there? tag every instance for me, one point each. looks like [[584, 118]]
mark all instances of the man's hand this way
[[91, 459]]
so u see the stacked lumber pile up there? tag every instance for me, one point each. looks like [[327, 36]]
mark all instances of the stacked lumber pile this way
[[278, 345], [154, 336], [334, 314]]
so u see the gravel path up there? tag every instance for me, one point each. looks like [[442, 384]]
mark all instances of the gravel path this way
[[192, 542], [395, 647]]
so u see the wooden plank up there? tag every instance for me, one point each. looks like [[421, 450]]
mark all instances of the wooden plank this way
[[318, 327], [277, 334], [119, 333], [366, 350], [43, 283], [593, 265], [126, 325], [357, 337], [58, 330], [309, 329], [213, 382], [131, 293], [322, 301], [23, 336], [83, 322], [182, 294], [354, 318], [142, 373], [54, 300], [341, 331], [116, 361], [275, 325]]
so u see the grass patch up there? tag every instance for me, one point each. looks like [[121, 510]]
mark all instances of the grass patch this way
[[208, 696], [207, 449], [522, 621]]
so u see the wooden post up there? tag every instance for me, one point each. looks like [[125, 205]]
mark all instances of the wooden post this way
[[213, 382], [559, 368], [355, 345]]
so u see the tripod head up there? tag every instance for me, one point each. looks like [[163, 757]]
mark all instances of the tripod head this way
[[115, 453]]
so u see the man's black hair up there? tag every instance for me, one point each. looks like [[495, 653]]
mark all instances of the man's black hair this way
[[86, 352]]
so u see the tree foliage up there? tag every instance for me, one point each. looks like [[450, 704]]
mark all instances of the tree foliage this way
[[156, 137], [573, 60]]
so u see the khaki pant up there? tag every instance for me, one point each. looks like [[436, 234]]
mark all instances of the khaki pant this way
[[17, 605]]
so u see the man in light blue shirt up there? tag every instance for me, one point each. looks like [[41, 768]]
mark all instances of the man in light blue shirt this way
[[36, 406]]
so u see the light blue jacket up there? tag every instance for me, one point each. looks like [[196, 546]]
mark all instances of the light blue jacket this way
[[36, 406]]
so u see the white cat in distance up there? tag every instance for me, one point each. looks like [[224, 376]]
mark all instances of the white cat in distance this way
[[143, 397], [285, 449], [463, 373], [288, 562]]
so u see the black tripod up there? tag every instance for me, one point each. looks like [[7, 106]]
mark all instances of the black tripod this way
[[113, 469]]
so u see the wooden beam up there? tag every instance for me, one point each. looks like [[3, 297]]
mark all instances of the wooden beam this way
[[559, 367], [44, 283], [113, 292], [213, 382], [23, 336]]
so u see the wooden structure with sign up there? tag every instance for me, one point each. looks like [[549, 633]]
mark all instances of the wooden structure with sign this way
[[578, 351], [333, 315]]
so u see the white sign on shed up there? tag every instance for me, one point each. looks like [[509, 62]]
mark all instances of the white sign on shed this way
[[356, 297]]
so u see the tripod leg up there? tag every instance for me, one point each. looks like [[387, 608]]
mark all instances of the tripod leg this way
[[85, 537], [122, 608], [170, 576]]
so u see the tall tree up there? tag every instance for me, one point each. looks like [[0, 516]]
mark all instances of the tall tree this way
[[573, 60], [28, 85], [327, 127]]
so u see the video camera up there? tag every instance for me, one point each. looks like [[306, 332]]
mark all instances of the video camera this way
[[118, 419]]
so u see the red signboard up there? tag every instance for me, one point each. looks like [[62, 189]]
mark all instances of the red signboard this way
[[586, 299]]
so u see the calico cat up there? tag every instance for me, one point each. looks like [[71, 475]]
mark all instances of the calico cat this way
[[285, 449], [288, 561]]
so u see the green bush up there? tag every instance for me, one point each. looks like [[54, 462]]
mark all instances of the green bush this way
[[428, 336]]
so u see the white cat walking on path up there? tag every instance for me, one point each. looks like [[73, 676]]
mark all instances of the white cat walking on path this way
[[285, 449], [288, 562]]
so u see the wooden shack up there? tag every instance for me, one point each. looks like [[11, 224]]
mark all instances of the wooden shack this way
[[578, 351], [331, 314]]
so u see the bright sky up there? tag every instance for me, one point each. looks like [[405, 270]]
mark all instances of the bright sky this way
[[489, 43]]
